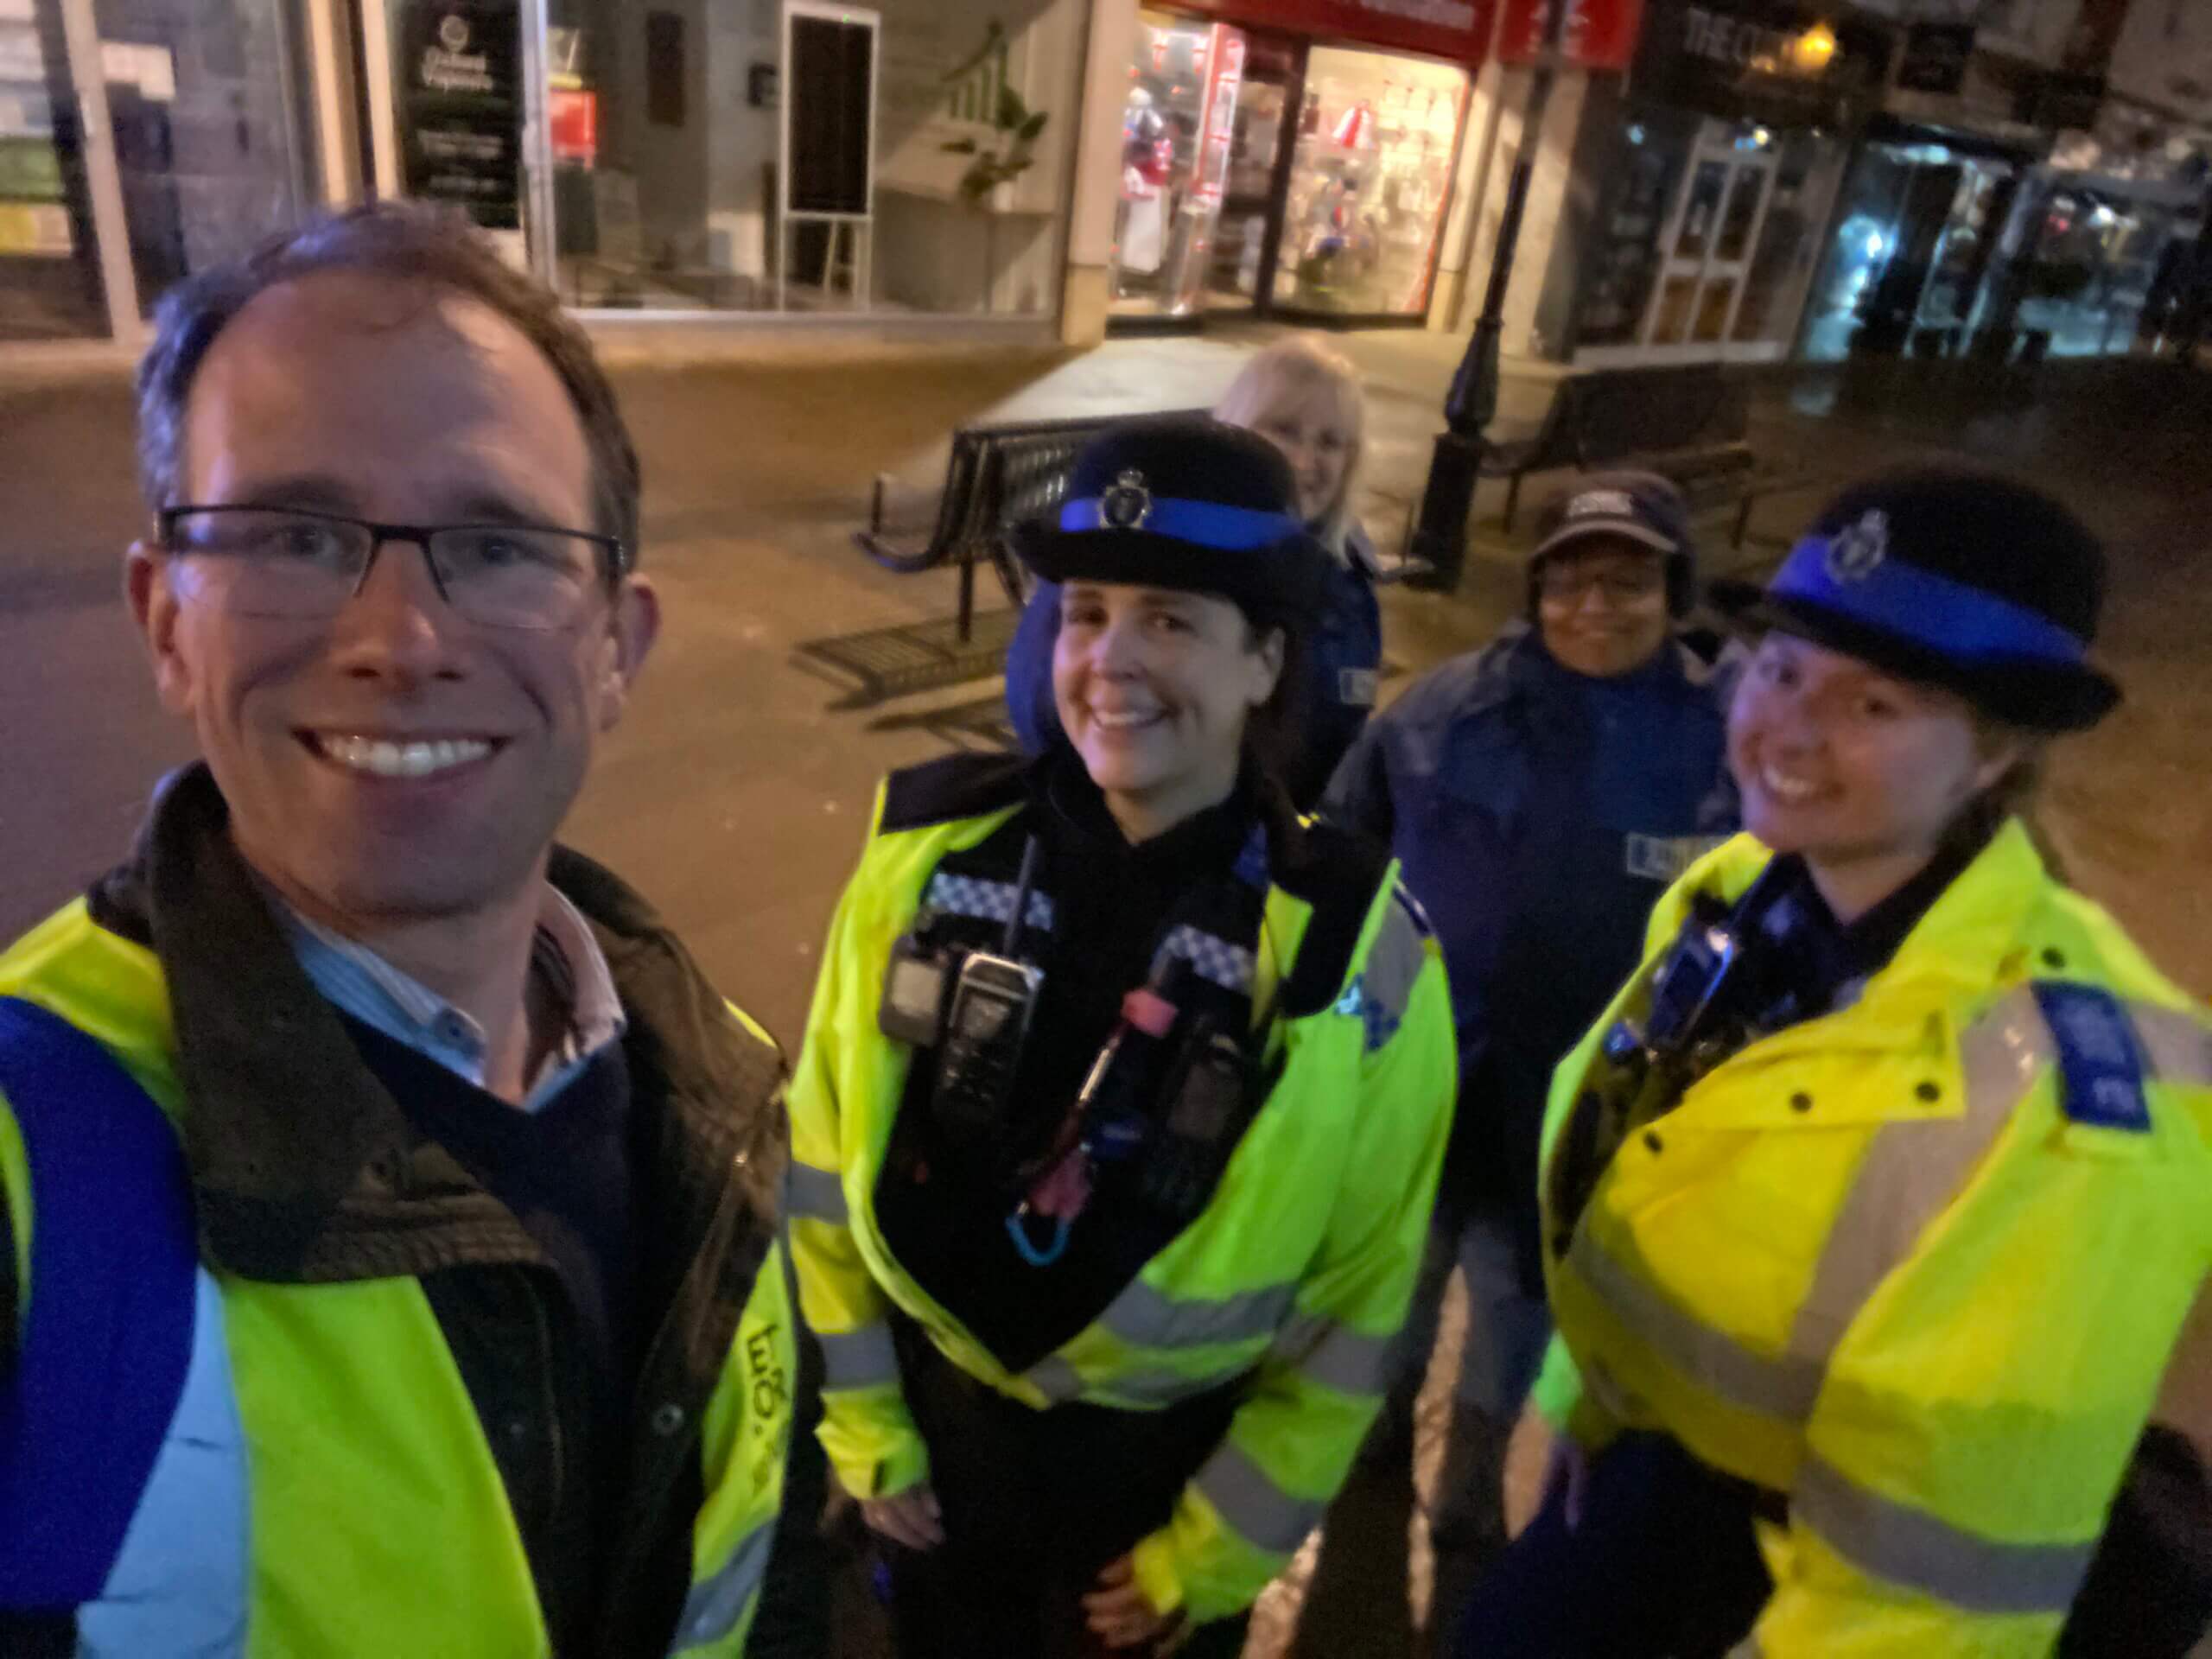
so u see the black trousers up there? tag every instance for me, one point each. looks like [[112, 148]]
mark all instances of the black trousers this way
[[1664, 1565], [1036, 1502]]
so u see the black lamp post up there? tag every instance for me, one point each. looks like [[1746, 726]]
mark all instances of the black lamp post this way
[[1440, 533]]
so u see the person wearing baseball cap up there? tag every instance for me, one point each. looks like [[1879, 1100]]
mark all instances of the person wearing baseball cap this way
[[1121, 1107], [1542, 793], [1873, 1205]]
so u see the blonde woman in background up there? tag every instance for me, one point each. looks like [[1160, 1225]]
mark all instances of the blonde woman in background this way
[[1304, 399]]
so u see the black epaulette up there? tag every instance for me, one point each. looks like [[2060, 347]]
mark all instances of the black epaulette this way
[[966, 784], [1337, 872]]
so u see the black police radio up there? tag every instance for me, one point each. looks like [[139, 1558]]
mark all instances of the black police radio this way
[[974, 1008]]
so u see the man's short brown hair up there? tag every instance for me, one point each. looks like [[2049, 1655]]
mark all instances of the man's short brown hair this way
[[409, 242]]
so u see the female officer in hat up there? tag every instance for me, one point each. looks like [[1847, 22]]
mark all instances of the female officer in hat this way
[[1873, 1205], [1305, 398], [1121, 1106]]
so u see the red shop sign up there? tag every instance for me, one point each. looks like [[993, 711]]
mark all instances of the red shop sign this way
[[1598, 34], [1456, 29]]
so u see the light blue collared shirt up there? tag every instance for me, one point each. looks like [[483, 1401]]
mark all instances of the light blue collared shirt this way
[[355, 980]]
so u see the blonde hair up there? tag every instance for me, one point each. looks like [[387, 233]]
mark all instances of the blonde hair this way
[[1299, 369]]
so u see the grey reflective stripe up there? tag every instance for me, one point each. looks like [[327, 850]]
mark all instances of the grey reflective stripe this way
[[1162, 1388], [714, 1605], [1395, 959], [1256, 1508], [1143, 1317], [1056, 1379], [859, 1359], [818, 1194], [1322, 1350], [1781, 1386], [1912, 1170], [1911, 1547], [2178, 1046]]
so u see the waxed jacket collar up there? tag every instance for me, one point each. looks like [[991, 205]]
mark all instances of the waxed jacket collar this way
[[301, 1161]]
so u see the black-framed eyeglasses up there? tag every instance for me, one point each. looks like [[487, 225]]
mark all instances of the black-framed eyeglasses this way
[[291, 563], [1567, 583]]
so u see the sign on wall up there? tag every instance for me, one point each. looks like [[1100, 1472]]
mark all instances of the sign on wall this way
[[1760, 60], [1597, 34], [460, 72], [1456, 29], [1935, 57]]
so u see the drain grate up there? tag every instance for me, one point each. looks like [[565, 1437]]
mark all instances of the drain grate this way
[[896, 662]]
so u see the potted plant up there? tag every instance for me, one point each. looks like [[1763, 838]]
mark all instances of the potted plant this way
[[985, 185]]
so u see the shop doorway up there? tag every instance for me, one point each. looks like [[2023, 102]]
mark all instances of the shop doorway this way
[[1706, 254], [1261, 174]]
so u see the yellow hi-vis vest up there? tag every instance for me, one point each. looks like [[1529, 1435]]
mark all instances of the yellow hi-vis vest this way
[[1295, 1277], [325, 1486], [1917, 1264]]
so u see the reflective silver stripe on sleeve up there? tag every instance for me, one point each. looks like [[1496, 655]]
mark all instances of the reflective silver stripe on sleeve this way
[[1910, 1548], [1782, 1386], [1163, 1387], [1143, 1317], [714, 1605], [817, 1194], [859, 1359], [1395, 959], [1055, 1379], [1259, 1511], [1324, 1352], [2178, 1046], [1913, 1169]]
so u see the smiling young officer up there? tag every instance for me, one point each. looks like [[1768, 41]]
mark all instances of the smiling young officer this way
[[392, 1260], [1874, 1203]]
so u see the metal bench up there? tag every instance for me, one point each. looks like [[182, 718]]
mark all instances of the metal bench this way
[[998, 476], [1689, 422]]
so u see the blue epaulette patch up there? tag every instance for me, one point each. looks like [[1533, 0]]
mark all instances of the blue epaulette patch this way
[[2100, 1060]]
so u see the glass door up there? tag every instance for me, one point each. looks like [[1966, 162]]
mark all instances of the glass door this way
[[1179, 126], [1368, 184], [51, 285], [1706, 251], [1258, 136]]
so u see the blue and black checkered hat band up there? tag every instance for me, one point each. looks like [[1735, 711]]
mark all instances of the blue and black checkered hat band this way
[[1951, 619]]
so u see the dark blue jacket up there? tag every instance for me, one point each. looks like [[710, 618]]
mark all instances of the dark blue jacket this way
[[1538, 814], [1344, 656]]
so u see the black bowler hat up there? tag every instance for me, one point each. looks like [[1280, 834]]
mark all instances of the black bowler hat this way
[[1640, 507], [1959, 579], [1183, 501]]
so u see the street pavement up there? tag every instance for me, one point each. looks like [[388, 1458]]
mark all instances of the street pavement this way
[[736, 793]]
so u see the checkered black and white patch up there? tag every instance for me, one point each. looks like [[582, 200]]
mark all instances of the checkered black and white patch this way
[[990, 901], [1227, 965]]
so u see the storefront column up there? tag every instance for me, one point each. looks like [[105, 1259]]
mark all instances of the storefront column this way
[[1112, 43], [1458, 292], [329, 25], [1548, 204]]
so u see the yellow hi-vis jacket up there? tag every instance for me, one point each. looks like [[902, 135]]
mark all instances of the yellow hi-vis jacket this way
[[1295, 1277], [325, 1486], [1917, 1264]]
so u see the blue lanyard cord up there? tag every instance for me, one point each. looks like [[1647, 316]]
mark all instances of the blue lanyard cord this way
[[1017, 1228]]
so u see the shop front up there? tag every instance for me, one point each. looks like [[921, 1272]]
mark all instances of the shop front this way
[[1291, 160], [1911, 243], [199, 103], [1715, 169], [907, 158]]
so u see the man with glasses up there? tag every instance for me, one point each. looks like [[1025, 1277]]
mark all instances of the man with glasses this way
[[1542, 793], [390, 1260]]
